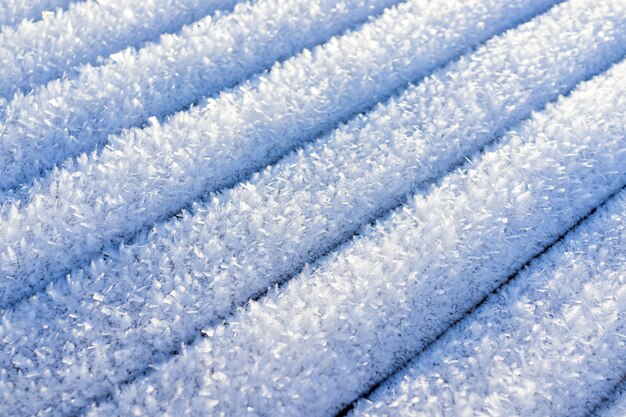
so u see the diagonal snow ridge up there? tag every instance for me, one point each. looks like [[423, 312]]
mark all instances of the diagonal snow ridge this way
[[315, 345], [250, 237], [37, 52], [13, 12], [68, 117], [462, 201], [616, 405], [144, 175], [550, 342]]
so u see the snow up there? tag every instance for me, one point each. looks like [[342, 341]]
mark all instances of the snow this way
[[551, 342], [67, 117], [616, 404], [296, 210], [145, 175], [13, 12], [37, 52], [347, 322], [312, 207]]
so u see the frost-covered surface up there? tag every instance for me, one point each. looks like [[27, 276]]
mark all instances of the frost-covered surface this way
[[550, 343], [616, 404], [164, 325], [67, 117], [144, 175], [292, 212], [346, 323], [13, 12], [36, 52]]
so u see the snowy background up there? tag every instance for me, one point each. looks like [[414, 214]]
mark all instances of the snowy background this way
[[312, 208]]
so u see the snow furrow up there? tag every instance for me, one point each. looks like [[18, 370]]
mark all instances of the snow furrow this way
[[616, 405], [67, 117], [551, 342], [144, 175], [37, 52], [12, 12], [263, 230], [338, 328]]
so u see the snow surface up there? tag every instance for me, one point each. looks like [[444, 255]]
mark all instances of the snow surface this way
[[37, 52], [69, 116], [144, 175], [615, 405], [346, 322], [553, 339], [13, 12], [384, 183]]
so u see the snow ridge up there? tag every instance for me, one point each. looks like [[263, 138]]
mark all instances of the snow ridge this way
[[312, 207], [71, 116], [549, 343], [13, 12], [311, 347], [37, 52], [252, 236], [142, 176], [616, 405]]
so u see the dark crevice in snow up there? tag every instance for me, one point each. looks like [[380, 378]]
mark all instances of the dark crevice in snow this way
[[609, 398]]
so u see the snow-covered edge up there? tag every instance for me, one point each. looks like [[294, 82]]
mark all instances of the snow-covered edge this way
[[615, 405]]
